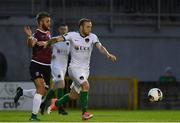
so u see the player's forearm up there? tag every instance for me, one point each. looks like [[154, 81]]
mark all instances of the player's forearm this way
[[31, 42], [55, 40], [104, 51], [52, 41]]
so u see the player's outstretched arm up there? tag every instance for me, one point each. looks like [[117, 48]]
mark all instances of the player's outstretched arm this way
[[54, 40], [31, 41], [104, 51]]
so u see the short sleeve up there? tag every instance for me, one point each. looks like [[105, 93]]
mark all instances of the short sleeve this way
[[68, 36], [95, 39], [35, 36]]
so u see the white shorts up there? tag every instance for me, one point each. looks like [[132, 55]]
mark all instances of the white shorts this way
[[57, 72], [78, 76]]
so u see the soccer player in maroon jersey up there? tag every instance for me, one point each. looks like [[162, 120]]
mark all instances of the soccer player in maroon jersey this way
[[41, 57]]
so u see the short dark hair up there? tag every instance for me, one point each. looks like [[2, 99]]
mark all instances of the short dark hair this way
[[41, 15], [83, 20], [63, 24]]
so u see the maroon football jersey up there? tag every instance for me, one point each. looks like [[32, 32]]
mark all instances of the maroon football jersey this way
[[40, 54]]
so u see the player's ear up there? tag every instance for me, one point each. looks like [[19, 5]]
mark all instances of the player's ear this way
[[80, 27], [40, 22]]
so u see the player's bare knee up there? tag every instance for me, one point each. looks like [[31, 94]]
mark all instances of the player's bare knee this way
[[73, 95], [85, 86], [61, 84], [41, 90]]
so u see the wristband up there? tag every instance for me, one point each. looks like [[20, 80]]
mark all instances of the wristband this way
[[30, 37]]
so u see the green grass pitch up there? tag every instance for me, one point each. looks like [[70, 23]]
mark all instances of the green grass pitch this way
[[99, 116]]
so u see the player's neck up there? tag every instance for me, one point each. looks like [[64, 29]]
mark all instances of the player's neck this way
[[40, 28], [82, 34]]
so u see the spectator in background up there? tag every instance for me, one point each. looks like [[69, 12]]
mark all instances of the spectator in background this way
[[168, 76]]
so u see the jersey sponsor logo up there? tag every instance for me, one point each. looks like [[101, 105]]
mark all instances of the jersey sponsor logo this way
[[81, 48], [62, 51]]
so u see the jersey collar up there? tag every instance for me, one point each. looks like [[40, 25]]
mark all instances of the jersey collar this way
[[82, 35], [42, 31]]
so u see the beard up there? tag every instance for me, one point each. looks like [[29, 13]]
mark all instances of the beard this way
[[85, 33], [45, 28]]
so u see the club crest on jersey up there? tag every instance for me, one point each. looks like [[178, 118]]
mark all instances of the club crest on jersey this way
[[81, 77], [38, 74], [87, 40]]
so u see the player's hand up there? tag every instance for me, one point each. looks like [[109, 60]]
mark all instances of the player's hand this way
[[112, 57], [46, 44], [41, 43], [28, 31]]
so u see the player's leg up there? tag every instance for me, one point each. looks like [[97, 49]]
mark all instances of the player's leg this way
[[84, 94], [55, 103], [60, 91], [58, 74], [50, 94], [23, 92], [39, 83], [56, 77], [73, 95], [81, 86], [29, 92], [38, 76], [50, 90], [19, 93]]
